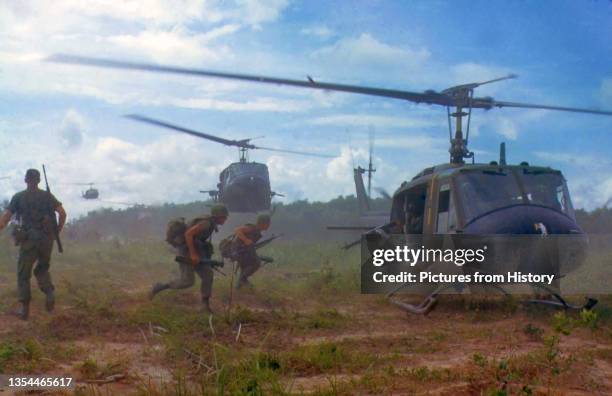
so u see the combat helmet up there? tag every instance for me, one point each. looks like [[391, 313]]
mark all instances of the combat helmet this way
[[219, 210], [32, 175]]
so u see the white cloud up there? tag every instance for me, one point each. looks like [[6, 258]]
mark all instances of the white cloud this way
[[367, 50], [165, 46], [340, 168], [318, 31], [72, 129], [150, 30]]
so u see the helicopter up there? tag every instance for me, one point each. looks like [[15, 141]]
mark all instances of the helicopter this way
[[243, 186], [494, 198], [90, 193]]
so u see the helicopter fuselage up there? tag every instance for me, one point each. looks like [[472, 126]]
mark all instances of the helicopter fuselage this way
[[91, 193], [485, 199], [491, 202], [245, 187]]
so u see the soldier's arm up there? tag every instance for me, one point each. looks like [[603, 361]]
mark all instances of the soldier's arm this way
[[240, 232], [190, 236], [5, 218], [62, 217]]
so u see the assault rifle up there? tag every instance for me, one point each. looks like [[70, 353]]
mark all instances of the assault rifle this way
[[54, 226], [236, 252], [377, 231], [213, 263]]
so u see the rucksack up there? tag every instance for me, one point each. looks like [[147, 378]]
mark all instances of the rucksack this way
[[226, 246], [175, 232]]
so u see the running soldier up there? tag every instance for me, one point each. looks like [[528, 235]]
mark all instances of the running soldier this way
[[36, 209], [193, 243], [242, 248]]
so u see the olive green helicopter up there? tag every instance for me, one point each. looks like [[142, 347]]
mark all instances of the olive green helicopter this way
[[457, 197], [243, 186]]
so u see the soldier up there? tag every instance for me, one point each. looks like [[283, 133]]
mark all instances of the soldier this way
[[246, 257], [197, 246], [35, 236]]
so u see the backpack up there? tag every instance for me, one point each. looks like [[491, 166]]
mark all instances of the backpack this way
[[175, 232], [226, 246]]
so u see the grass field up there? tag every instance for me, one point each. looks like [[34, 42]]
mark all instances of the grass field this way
[[303, 329]]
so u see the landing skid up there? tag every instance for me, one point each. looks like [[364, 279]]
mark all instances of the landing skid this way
[[431, 300], [560, 301]]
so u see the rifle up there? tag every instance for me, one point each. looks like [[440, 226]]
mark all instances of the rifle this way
[[212, 263], [255, 246], [55, 230], [377, 230]]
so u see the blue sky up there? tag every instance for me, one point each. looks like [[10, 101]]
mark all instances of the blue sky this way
[[70, 117]]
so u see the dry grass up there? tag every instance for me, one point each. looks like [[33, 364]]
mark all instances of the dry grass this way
[[303, 329]]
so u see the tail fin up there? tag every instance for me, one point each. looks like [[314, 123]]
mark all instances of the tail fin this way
[[362, 197]]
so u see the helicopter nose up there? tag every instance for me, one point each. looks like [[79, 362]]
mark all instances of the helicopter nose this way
[[526, 219], [570, 243]]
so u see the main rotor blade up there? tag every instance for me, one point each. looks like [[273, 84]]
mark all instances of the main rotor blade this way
[[202, 135], [79, 184], [295, 152], [430, 97], [501, 104]]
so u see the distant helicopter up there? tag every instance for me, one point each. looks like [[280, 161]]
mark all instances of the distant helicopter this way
[[243, 186], [90, 193], [453, 198]]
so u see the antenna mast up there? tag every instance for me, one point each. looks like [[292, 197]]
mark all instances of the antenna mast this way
[[370, 167]]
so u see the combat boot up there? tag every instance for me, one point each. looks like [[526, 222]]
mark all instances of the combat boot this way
[[157, 288], [23, 312], [206, 306], [50, 302], [244, 283]]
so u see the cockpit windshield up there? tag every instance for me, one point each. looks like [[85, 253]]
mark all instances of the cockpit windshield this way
[[548, 189], [486, 190], [483, 191]]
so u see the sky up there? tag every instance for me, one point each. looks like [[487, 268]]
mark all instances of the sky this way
[[71, 118]]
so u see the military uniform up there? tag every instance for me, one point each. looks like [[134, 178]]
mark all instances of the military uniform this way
[[34, 209], [245, 256], [188, 271]]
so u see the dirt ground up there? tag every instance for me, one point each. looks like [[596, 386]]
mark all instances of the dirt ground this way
[[303, 328], [465, 346]]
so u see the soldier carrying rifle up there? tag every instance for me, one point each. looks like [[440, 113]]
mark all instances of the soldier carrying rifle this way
[[195, 250], [38, 230], [241, 247]]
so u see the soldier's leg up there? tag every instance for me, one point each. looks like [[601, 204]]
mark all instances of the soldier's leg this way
[[27, 258], [206, 275], [186, 278], [249, 263], [41, 271]]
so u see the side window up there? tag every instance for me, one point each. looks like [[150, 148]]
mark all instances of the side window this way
[[446, 211]]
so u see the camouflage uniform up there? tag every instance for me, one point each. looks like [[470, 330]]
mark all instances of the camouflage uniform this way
[[246, 257], [34, 209], [188, 271]]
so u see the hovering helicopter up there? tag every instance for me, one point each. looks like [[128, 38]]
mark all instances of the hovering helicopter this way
[[90, 193], [495, 198], [243, 186]]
